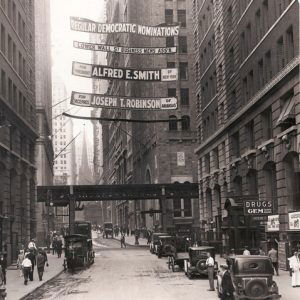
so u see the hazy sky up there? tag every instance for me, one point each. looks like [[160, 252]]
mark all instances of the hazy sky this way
[[63, 52]]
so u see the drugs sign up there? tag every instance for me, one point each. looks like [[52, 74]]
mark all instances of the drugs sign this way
[[258, 207]]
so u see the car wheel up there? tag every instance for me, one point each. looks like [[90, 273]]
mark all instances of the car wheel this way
[[189, 274], [256, 288]]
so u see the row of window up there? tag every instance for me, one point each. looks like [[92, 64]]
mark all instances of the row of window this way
[[185, 123], [206, 57], [16, 99], [181, 17], [184, 95], [205, 19], [183, 69]]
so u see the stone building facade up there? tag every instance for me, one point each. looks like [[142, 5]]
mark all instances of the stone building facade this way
[[18, 126], [43, 90], [152, 153], [248, 122]]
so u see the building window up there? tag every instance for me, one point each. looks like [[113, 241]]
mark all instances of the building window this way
[[183, 70], [233, 101], [267, 124], [172, 92], [250, 83], [9, 48], [207, 163], [182, 17], [235, 143], [173, 123], [170, 64], [250, 135], [229, 19], [231, 61], [290, 44], [169, 16], [260, 76], [215, 154], [249, 38], [184, 97], [287, 117], [3, 83], [185, 123], [245, 90], [10, 91], [268, 66], [14, 57], [266, 15], [221, 114], [280, 54], [170, 41], [3, 39], [182, 44]]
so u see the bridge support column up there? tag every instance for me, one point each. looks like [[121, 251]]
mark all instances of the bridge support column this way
[[163, 208], [71, 211]]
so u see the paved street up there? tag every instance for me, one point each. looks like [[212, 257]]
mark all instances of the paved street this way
[[131, 273]]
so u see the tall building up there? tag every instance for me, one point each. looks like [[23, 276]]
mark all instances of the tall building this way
[[247, 87], [18, 126], [43, 90], [63, 143], [160, 152]]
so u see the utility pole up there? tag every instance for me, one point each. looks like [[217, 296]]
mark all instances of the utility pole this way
[[163, 208], [71, 210]]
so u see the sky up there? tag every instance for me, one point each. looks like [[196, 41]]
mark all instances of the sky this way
[[63, 53]]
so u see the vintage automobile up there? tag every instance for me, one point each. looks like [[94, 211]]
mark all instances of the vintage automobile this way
[[78, 251], [155, 240], [252, 278], [177, 258], [108, 230], [196, 262], [165, 246]]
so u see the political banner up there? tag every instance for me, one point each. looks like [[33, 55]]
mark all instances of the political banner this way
[[124, 50], [119, 102], [294, 221], [85, 25], [273, 223], [106, 72]]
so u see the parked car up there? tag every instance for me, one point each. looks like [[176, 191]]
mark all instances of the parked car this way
[[155, 240], [252, 278], [196, 263], [165, 246]]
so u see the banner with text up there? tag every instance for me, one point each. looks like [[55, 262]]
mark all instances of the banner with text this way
[[85, 25], [294, 221], [124, 50], [257, 207], [273, 223], [106, 101], [105, 72]]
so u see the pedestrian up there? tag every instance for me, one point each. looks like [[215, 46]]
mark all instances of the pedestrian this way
[[261, 252], [123, 240], [295, 268], [226, 283], [3, 293], [40, 264], [54, 245], [27, 267], [3, 263], [32, 258], [59, 247], [21, 257], [45, 255], [246, 251], [274, 258], [210, 270]]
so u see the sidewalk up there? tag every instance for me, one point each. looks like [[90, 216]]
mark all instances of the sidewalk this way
[[15, 287], [130, 240]]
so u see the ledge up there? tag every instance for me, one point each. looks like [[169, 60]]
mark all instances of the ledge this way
[[249, 153], [265, 144], [289, 130]]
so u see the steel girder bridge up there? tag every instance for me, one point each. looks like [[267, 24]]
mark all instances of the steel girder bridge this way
[[74, 195]]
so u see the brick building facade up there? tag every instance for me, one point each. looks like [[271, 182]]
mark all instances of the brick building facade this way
[[152, 153], [18, 128], [248, 118]]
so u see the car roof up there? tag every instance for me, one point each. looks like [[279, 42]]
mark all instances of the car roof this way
[[202, 248], [166, 236], [160, 233], [251, 256]]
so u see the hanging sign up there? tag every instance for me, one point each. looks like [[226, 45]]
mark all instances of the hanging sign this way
[[105, 101], [294, 221], [257, 207], [124, 50], [85, 25], [105, 72]]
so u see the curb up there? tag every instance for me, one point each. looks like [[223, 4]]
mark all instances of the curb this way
[[44, 283]]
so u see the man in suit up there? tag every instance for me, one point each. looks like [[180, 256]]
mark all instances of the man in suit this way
[[226, 284]]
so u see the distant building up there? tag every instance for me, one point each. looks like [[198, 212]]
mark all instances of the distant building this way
[[18, 126], [248, 120], [152, 153], [43, 90]]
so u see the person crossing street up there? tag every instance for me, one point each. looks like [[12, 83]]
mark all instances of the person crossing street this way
[[123, 240], [210, 262]]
